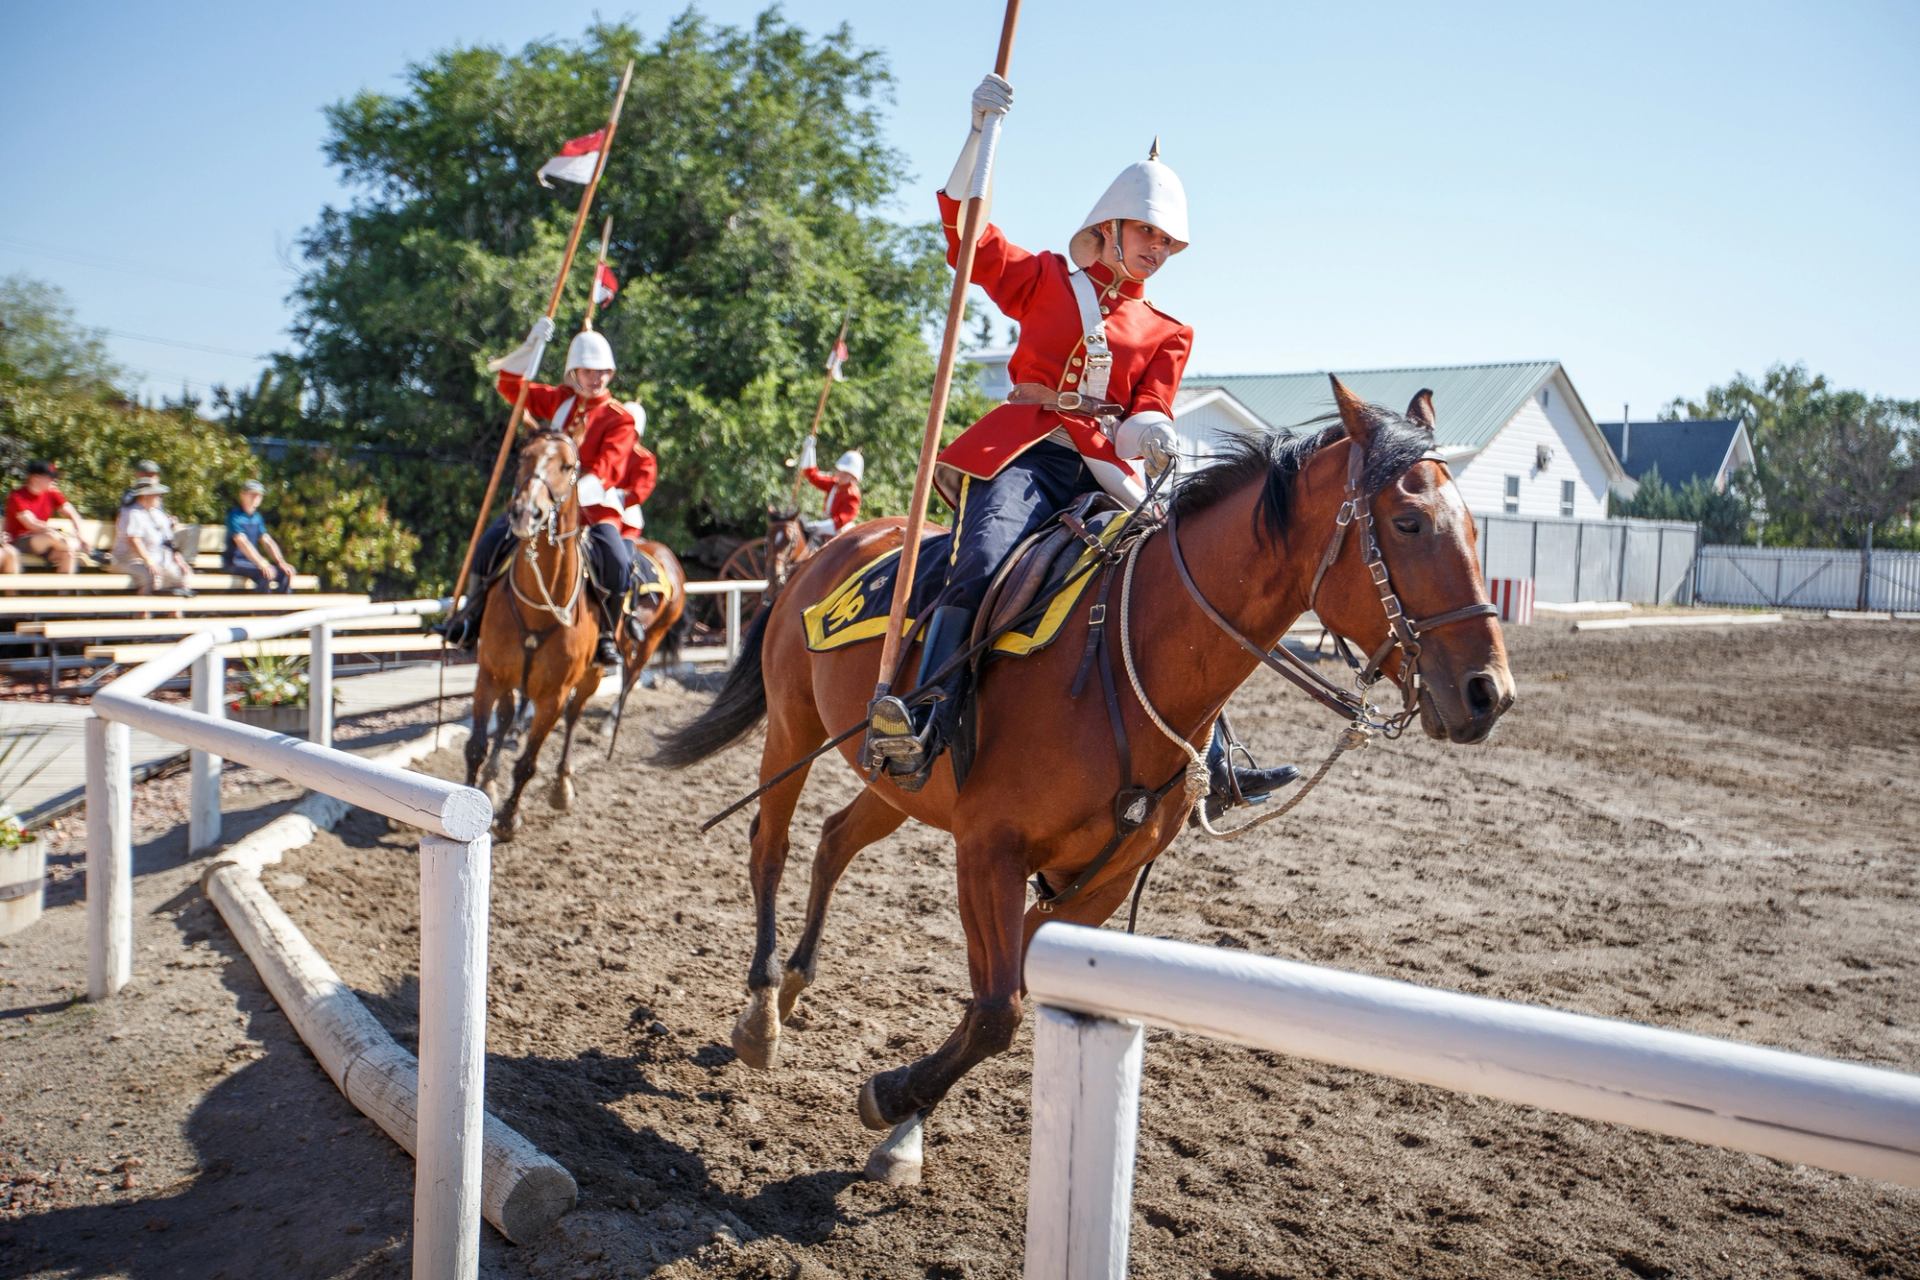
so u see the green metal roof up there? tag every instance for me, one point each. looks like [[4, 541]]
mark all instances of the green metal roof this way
[[1471, 401]]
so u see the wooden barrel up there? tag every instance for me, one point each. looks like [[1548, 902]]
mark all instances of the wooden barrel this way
[[23, 885]]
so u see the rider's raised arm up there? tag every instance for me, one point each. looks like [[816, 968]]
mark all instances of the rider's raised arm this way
[[543, 401], [1008, 273]]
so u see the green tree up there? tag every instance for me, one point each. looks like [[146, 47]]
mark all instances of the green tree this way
[[1724, 516], [745, 186], [41, 342], [1833, 467]]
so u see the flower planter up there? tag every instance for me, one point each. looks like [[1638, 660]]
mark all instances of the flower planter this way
[[291, 721], [23, 884]]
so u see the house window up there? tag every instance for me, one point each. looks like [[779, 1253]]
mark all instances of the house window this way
[[1566, 497], [1511, 504], [1546, 396]]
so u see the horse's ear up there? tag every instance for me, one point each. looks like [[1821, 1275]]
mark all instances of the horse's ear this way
[[1354, 412], [1420, 410]]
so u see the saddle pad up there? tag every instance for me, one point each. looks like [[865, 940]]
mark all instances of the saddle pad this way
[[856, 610], [649, 576]]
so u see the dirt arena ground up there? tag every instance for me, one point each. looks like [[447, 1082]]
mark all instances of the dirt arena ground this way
[[1712, 831]]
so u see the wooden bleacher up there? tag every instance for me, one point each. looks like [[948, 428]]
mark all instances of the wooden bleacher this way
[[201, 544], [104, 581], [255, 602], [290, 646], [95, 628]]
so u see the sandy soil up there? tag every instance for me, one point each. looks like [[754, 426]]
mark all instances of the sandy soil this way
[[1709, 831]]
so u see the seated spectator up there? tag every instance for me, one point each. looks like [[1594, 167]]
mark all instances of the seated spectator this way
[[145, 471], [249, 544], [29, 520], [9, 555], [143, 545]]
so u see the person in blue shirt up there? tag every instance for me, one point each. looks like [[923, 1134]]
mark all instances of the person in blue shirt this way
[[249, 545]]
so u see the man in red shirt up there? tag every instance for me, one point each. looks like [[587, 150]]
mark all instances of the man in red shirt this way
[[603, 429], [842, 488], [1094, 375], [29, 522]]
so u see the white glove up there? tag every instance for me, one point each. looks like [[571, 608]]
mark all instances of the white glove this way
[[1150, 436], [523, 358], [993, 97], [809, 455]]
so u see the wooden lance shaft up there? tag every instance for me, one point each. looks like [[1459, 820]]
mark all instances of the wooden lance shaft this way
[[819, 409], [553, 305], [973, 216], [593, 290]]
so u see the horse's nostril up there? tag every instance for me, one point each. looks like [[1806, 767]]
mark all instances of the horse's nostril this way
[[1483, 695]]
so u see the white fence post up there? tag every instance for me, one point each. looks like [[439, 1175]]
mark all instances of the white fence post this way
[[1086, 1117], [733, 627], [203, 767], [320, 687], [109, 858], [454, 877]]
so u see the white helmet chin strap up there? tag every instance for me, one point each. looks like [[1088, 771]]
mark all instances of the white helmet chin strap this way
[[1120, 255]]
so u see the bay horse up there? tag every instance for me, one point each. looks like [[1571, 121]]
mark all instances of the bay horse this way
[[787, 546], [659, 621], [537, 636], [1040, 800]]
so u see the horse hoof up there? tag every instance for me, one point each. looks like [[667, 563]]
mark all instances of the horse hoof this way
[[899, 1158], [792, 983], [563, 794], [756, 1034]]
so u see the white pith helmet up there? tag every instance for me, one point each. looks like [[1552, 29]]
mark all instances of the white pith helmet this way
[[639, 412], [852, 463], [1146, 191], [589, 350]]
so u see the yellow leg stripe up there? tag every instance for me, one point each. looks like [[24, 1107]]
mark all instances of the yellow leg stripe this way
[[959, 520]]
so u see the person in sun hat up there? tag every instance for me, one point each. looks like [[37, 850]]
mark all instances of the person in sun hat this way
[[604, 430], [842, 488], [143, 544], [1095, 372]]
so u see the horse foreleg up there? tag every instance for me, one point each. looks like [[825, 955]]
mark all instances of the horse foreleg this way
[[993, 892], [484, 694], [563, 785], [506, 710], [545, 715], [846, 833], [756, 1032]]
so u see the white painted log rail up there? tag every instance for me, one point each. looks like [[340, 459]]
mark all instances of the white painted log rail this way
[[1095, 987], [455, 867]]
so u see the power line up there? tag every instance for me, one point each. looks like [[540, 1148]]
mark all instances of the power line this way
[[190, 346], [119, 264]]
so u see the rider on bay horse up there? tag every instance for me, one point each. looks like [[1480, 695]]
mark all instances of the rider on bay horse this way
[[613, 468], [1095, 373], [842, 489]]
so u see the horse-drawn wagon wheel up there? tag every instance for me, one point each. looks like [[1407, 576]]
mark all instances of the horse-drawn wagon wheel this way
[[743, 564], [748, 561]]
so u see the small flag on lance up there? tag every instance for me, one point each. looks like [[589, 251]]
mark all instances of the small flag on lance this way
[[837, 362], [605, 285], [577, 160]]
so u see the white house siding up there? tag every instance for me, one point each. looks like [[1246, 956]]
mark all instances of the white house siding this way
[[1201, 428], [1514, 450]]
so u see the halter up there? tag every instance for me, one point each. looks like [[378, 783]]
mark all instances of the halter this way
[[550, 524]]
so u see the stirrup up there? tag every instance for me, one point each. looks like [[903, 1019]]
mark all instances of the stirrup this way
[[891, 737]]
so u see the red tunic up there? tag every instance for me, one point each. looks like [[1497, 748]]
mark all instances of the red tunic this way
[[605, 447], [1149, 349], [636, 485], [43, 504], [843, 504]]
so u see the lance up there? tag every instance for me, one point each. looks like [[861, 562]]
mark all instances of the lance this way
[[553, 305], [973, 216], [820, 409], [593, 290]]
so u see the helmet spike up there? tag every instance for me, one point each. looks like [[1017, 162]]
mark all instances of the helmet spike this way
[[1153, 152]]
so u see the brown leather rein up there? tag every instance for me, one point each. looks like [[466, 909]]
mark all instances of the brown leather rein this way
[[1403, 632]]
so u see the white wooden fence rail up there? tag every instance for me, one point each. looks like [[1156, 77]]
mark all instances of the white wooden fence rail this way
[[1095, 987], [455, 867]]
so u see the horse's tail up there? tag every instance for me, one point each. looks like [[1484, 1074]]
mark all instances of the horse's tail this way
[[741, 704]]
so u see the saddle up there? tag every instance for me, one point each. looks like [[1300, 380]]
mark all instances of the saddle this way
[[1042, 562]]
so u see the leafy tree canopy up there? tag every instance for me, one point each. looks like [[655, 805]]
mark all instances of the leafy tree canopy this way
[[1724, 516], [1832, 465], [41, 342], [745, 186]]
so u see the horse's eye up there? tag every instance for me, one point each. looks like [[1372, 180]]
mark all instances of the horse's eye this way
[[1408, 525]]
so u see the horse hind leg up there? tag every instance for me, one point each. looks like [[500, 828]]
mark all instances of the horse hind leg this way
[[842, 836]]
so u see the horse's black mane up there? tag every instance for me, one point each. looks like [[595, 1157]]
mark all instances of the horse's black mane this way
[[1396, 444]]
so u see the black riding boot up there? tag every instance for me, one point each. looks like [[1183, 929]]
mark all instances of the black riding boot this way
[[909, 740], [462, 627], [1233, 784], [605, 652]]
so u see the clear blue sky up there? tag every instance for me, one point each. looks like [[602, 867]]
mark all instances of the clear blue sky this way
[[1656, 194]]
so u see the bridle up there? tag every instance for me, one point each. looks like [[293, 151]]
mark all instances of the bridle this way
[[1403, 631], [549, 524]]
